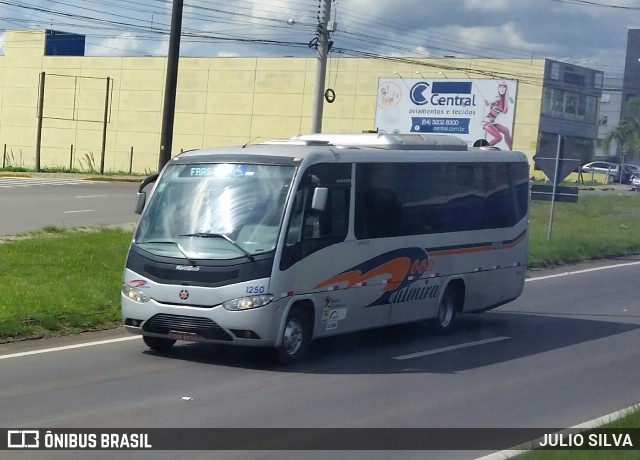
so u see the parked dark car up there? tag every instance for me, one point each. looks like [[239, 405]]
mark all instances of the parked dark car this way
[[633, 170]]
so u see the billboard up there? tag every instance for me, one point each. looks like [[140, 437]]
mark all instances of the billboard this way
[[468, 109]]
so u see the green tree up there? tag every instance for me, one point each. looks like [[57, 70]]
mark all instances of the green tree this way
[[627, 133]]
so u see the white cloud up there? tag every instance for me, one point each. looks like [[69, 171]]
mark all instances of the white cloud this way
[[227, 54], [488, 5], [160, 48], [491, 40], [124, 44]]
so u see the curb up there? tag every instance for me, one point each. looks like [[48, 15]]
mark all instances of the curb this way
[[114, 179], [6, 174]]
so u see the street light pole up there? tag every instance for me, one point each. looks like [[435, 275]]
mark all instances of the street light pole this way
[[321, 68]]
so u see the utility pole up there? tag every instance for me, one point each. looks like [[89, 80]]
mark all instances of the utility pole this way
[[105, 119], [168, 110], [40, 116], [321, 68]]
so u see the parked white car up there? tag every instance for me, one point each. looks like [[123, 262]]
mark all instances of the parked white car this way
[[612, 170]]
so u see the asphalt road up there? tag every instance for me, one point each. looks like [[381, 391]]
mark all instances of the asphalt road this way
[[565, 353], [30, 203], [72, 200]]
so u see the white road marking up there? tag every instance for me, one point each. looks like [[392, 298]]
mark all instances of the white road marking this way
[[91, 196], [68, 347], [8, 182], [81, 210], [579, 272], [451, 348]]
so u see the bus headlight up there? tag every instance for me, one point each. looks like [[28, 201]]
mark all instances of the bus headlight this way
[[134, 294], [246, 303]]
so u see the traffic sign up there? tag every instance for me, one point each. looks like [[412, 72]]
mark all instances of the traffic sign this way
[[565, 166], [559, 167]]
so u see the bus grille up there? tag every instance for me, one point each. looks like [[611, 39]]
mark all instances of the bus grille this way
[[204, 327], [203, 276]]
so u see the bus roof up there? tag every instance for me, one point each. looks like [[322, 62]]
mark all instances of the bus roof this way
[[415, 141], [375, 147]]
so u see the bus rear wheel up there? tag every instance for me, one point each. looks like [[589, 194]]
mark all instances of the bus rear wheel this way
[[158, 343], [446, 315], [295, 338]]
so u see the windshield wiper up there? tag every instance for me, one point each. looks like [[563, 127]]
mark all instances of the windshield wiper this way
[[224, 237], [176, 244]]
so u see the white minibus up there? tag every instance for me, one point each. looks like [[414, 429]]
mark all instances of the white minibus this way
[[277, 244]]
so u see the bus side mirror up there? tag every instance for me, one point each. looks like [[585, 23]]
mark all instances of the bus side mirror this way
[[319, 199], [142, 196], [141, 199]]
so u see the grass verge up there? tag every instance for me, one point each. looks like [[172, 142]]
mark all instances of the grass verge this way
[[59, 281], [596, 227]]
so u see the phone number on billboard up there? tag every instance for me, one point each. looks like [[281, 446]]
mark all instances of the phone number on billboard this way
[[441, 121]]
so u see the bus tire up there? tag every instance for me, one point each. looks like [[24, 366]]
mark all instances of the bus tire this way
[[158, 343], [295, 337], [447, 313]]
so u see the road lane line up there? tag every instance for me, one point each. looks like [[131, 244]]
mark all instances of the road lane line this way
[[451, 348], [579, 272], [35, 182], [91, 196], [68, 347], [81, 210]]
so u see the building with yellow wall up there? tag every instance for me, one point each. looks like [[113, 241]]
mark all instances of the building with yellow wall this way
[[223, 101]]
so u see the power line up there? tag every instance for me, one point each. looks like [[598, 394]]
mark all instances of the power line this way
[[596, 4]]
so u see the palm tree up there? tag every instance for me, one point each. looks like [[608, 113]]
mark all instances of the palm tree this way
[[627, 133]]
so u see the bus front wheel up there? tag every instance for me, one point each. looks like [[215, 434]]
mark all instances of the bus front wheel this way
[[295, 337], [446, 314], [158, 343]]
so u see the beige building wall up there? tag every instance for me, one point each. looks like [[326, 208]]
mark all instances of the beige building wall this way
[[219, 101]]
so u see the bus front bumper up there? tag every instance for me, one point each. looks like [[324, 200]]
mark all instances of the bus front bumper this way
[[257, 327]]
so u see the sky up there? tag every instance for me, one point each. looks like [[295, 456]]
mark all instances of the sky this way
[[590, 33]]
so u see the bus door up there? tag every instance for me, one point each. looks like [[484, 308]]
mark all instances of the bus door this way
[[317, 252]]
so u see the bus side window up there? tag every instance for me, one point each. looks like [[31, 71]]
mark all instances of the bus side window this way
[[333, 221], [383, 213], [310, 230], [294, 231]]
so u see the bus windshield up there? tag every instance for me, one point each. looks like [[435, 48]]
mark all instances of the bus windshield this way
[[215, 211]]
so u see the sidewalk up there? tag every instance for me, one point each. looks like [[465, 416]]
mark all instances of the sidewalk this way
[[608, 188], [596, 189]]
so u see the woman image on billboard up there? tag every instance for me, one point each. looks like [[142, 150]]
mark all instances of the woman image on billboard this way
[[499, 106]]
